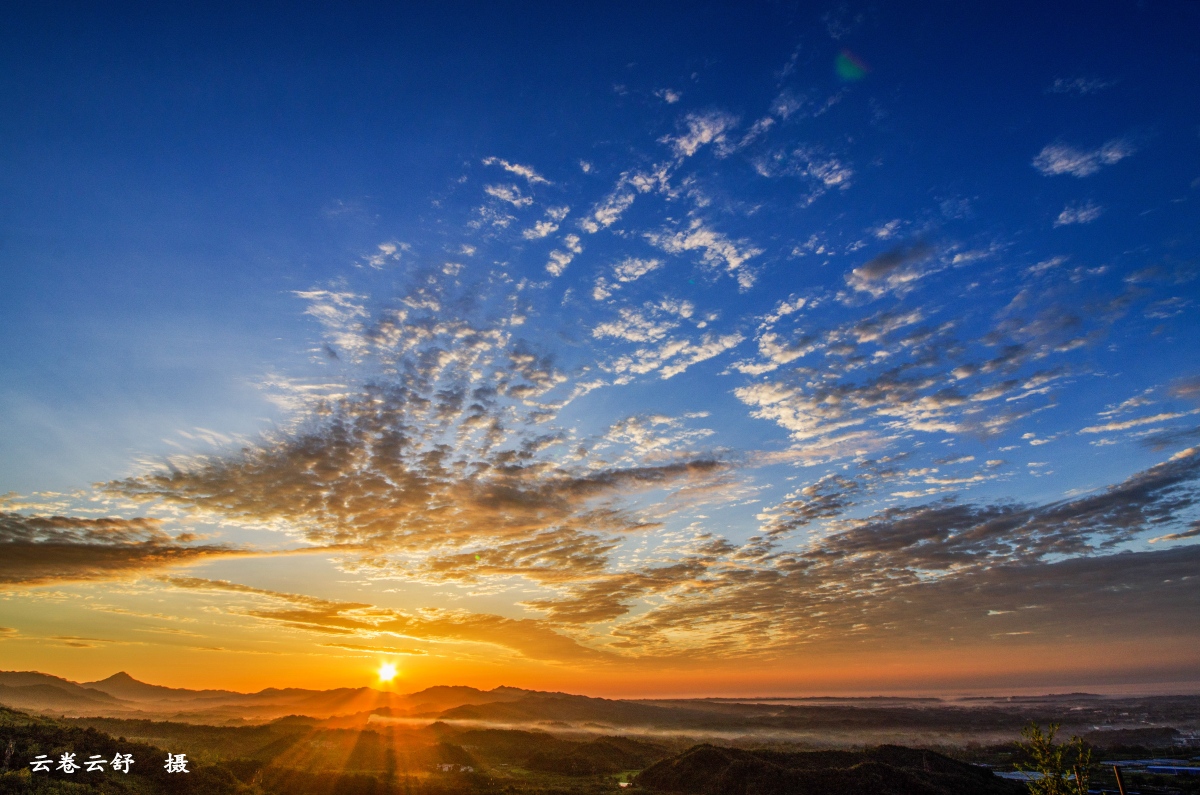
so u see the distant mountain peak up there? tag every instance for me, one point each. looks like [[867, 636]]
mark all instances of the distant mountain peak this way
[[119, 678]]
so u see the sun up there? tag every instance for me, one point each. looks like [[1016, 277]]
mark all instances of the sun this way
[[387, 672]]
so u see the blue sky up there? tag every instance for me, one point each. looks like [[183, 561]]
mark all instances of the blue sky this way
[[660, 330]]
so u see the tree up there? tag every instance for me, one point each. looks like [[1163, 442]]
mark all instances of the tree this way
[[1064, 768]]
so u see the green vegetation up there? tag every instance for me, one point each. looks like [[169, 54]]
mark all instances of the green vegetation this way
[[1064, 768]]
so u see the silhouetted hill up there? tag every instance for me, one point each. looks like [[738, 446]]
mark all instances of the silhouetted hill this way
[[888, 770], [22, 681], [122, 685], [603, 755], [48, 698], [433, 700], [121, 695]]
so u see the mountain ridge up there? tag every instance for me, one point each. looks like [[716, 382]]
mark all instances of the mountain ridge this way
[[121, 694]]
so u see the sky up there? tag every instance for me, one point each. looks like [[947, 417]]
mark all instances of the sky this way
[[628, 350]]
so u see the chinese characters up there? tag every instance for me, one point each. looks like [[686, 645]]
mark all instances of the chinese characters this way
[[120, 763]]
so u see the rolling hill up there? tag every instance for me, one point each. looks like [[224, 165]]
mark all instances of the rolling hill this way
[[888, 770]]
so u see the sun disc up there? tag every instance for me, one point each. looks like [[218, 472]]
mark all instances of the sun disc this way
[[387, 672]]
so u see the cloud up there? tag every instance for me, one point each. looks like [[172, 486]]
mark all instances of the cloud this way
[[437, 475], [804, 417], [612, 207], [606, 213], [442, 472], [706, 128], [828, 498], [815, 403], [528, 637], [632, 325], [35, 550], [1078, 85], [548, 225], [888, 230], [408, 652], [1186, 389], [894, 270], [386, 252], [777, 352], [516, 168], [1055, 159], [717, 250], [561, 258], [508, 193], [1127, 424], [950, 536], [825, 171], [668, 95], [335, 310], [881, 577], [840, 22], [672, 356], [627, 270], [648, 434], [1193, 531], [1079, 213], [1171, 438], [788, 306], [631, 268]]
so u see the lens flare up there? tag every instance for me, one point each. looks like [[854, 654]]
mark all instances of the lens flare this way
[[850, 67]]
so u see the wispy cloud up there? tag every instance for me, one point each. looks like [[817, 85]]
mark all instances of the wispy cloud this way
[[527, 172], [671, 356], [1078, 85], [1059, 158], [1079, 213], [385, 253], [627, 270], [1154, 419], [716, 249], [527, 637], [508, 193], [702, 129]]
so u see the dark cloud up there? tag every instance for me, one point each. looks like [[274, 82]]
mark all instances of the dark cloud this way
[[942, 570], [35, 550], [947, 535], [1186, 389], [1164, 440], [893, 270], [827, 498]]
